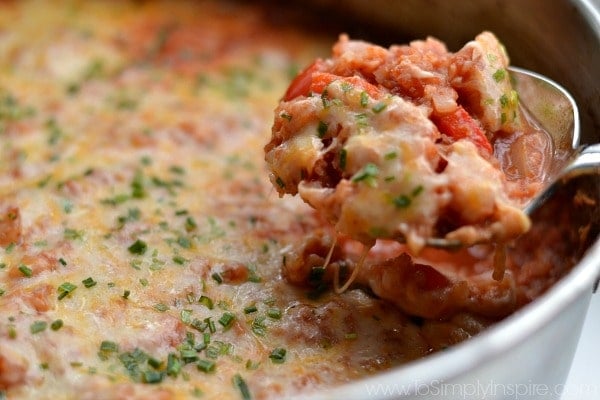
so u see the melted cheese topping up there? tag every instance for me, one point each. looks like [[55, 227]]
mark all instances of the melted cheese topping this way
[[141, 246]]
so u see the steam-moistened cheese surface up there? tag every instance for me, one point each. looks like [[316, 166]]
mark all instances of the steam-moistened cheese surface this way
[[143, 253], [380, 142]]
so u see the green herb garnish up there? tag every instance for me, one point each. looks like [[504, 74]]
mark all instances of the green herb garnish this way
[[206, 302], [37, 327], [25, 270], [206, 365], [367, 174], [343, 159], [499, 75], [277, 356], [241, 385], [89, 282], [364, 99], [56, 325], [138, 247], [322, 128], [274, 313], [217, 278], [379, 107], [65, 289], [226, 320]]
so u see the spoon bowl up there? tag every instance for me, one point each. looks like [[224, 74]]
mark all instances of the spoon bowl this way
[[555, 111]]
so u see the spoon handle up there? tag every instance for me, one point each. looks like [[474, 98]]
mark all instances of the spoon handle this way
[[587, 162]]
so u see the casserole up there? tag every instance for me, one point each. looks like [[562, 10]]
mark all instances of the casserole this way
[[93, 277]]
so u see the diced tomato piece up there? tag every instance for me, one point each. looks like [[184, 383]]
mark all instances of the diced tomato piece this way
[[460, 125], [313, 80], [320, 80], [300, 86]]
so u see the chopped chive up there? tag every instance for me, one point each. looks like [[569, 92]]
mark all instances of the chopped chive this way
[[211, 325], [350, 336], [252, 275], [62, 261], [499, 75], [251, 365], [108, 346], [26, 271], [367, 174], [151, 376], [206, 302], [72, 234], [343, 159], [89, 282], [199, 324], [226, 319], [137, 186], [325, 99], [12, 331], [362, 119], [250, 309], [206, 365], [190, 224], [212, 352], [56, 325], [173, 365], [379, 107], [401, 201], [161, 307], [186, 316], [188, 355], [364, 99], [154, 363], [138, 247], [217, 277], [179, 260], [280, 182], [241, 385], [417, 191], [176, 169], [37, 327], [65, 289], [277, 356], [126, 294], [258, 326], [143, 281], [270, 301], [391, 155], [346, 86], [274, 313], [322, 128], [184, 242]]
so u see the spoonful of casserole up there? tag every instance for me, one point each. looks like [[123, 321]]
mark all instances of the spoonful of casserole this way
[[420, 145]]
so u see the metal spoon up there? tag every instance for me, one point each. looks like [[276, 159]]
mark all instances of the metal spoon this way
[[554, 110]]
